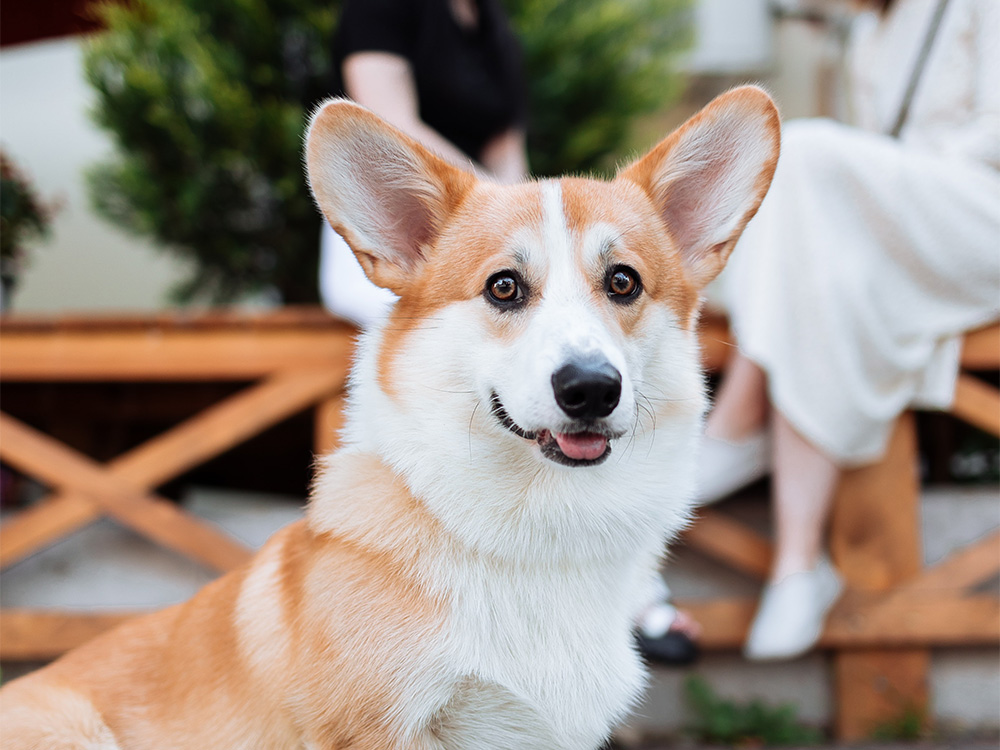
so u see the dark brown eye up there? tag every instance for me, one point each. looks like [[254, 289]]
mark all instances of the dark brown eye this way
[[505, 289], [622, 283]]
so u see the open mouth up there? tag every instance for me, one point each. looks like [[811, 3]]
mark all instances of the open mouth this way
[[577, 448]]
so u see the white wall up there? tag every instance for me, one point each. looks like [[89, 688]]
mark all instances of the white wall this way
[[87, 264]]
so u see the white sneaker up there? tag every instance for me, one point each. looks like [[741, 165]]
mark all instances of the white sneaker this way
[[791, 614], [726, 466]]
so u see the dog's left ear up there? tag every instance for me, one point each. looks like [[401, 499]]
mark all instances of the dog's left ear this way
[[383, 192], [708, 178]]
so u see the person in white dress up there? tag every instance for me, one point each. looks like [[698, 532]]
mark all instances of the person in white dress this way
[[851, 288]]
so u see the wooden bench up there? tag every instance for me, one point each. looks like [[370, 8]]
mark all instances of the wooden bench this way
[[894, 609], [880, 634], [293, 360]]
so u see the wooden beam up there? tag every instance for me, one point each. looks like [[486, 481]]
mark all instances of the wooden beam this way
[[716, 340], [864, 621], [55, 464], [964, 568], [226, 424], [878, 687], [44, 524], [165, 523], [168, 354], [154, 517], [121, 488], [981, 349], [730, 542], [859, 622], [977, 403], [37, 635], [875, 541]]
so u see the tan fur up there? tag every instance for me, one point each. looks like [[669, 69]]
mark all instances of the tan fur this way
[[338, 615]]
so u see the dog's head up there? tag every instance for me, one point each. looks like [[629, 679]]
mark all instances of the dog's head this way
[[553, 319]]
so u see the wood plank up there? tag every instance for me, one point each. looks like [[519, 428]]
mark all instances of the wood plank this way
[[966, 567], [866, 620], [165, 523], [887, 686], [875, 526], [169, 355], [981, 349], [328, 423], [37, 453], [55, 464], [944, 619], [977, 403], [44, 524], [120, 487], [294, 317], [858, 622], [226, 424], [875, 542], [29, 635], [716, 341], [731, 542]]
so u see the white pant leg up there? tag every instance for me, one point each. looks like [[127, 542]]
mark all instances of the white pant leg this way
[[343, 286]]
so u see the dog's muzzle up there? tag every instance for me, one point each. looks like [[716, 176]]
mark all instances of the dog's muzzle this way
[[586, 391]]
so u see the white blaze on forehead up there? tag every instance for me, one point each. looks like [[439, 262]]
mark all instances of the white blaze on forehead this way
[[567, 320], [555, 233], [557, 245]]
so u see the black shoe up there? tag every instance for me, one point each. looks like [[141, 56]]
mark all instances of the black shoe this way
[[672, 649]]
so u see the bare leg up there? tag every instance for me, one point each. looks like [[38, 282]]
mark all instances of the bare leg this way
[[803, 586], [741, 404], [803, 486]]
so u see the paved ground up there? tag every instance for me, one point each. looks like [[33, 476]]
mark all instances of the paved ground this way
[[955, 743]]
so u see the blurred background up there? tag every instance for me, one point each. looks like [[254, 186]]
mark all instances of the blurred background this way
[[205, 101], [153, 149]]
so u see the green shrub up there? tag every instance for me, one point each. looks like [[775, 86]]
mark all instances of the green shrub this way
[[24, 219], [206, 101], [752, 724]]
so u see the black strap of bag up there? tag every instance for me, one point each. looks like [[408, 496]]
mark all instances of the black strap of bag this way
[[918, 69]]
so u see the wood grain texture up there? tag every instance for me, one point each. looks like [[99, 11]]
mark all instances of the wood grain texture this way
[[981, 349], [730, 542]]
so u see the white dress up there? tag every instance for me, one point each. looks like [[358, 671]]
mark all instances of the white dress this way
[[870, 256]]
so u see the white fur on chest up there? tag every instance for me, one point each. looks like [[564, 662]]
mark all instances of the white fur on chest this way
[[558, 640], [551, 563]]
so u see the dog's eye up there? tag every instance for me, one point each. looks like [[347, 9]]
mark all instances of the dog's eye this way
[[505, 289], [622, 284]]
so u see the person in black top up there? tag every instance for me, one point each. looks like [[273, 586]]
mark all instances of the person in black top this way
[[447, 72]]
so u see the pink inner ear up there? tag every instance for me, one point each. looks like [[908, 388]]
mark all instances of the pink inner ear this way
[[395, 202], [411, 225], [712, 181]]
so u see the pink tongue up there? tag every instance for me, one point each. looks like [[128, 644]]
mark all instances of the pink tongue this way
[[582, 445]]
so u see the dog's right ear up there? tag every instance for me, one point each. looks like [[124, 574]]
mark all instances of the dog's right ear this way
[[383, 192]]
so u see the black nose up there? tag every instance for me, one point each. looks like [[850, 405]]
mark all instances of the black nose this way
[[587, 388]]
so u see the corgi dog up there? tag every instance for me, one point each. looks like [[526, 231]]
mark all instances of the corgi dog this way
[[519, 446]]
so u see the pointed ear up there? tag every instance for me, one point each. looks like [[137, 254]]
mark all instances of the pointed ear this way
[[708, 178], [383, 192]]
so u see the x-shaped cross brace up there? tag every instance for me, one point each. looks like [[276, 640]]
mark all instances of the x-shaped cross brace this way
[[85, 490]]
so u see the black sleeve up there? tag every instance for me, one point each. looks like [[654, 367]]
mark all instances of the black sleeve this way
[[377, 26]]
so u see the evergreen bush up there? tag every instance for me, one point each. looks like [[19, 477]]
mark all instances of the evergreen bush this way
[[206, 101]]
